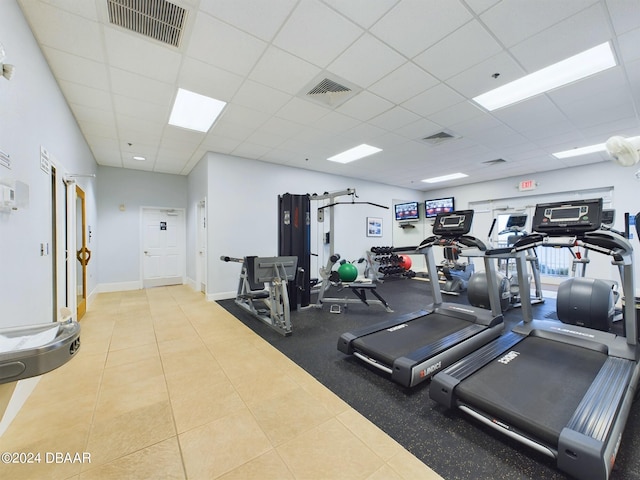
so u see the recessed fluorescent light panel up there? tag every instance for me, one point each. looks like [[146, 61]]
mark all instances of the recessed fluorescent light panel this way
[[574, 68], [355, 153], [140, 159], [194, 111], [445, 178], [575, 152]]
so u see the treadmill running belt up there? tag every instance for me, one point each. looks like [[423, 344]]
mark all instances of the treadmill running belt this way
[[389, 344], [535, 387]]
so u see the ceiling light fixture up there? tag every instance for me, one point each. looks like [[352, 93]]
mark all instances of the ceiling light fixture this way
[[575, 152], [355, 153], [574, 68], [140, 159], [445, 178], [194, 111]]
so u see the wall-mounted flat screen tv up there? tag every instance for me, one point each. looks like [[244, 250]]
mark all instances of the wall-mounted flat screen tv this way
[[407, 211], [438, 205]]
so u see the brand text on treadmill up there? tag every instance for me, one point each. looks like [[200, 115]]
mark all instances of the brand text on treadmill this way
[[508, 357]]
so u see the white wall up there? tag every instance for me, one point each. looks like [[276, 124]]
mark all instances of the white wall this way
[[33, 113], [587, 177], [242, 199], [196, 191], [119, 231]]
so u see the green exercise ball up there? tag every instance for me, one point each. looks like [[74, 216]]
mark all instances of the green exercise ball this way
[[348, 272]]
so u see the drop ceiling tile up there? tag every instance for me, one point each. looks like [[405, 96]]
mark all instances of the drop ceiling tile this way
[[134, 53], [139, 109], [605, 87], [403, 83], [569, 37], [419, 129], [433, 100], [77, 7], [626, 127], [529, 113], [467, 46], [240, 115], [364, 106], [364, 12], [90, 114], [134, 130], [283, 71], [219, 144], [512, 22], [366, 61], [479, 78], [413, 26], [364, 133], [149, 151], [624, 15], [101, 128], [394, 119], [75, 69], [147, 166], [302, 111], [305, 33], [250, 150], [260, 97], [63, 30], [265, 139], [474, 127], [262, 19], [281, 127], [335, 122], [480, 6], [142, 88], [208, 80], [224, 46], [628, 43], [234, 131], [83, 95], [456, 113]]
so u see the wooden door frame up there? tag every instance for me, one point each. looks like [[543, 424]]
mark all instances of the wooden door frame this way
[[81, 306]]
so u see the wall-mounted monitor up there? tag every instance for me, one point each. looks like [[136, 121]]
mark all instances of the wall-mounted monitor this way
[[406, 211], [438, 205]]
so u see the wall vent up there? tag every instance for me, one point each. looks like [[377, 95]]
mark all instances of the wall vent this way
[[495, 162], [329, 90], [156, 19], [440, 137]]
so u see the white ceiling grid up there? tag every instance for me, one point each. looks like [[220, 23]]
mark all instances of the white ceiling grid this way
[[415, 65]]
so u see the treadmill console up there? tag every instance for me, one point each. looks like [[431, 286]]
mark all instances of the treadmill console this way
[[453, 224], [568, 218], [516, 222]]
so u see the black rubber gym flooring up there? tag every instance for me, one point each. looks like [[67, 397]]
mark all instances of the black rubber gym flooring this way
[[447, 441]]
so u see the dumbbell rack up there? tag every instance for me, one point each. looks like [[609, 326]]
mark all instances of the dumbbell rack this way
[[387, 263]]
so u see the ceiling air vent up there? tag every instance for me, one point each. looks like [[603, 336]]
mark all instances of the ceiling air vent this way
[[327, 86], [495, 162], [157, 19], [328, 91], [440, 137]]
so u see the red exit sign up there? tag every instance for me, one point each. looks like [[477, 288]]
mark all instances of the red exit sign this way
[[527, 185]]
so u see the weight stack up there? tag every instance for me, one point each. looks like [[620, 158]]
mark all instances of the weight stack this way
[[294, 238]]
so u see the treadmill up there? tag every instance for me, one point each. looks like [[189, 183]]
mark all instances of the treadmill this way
[[562, 389], [413, 347]]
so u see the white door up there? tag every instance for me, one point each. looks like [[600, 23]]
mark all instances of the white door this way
[[163, 240]]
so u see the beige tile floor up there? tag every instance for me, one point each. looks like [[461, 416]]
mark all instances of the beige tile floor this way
[[169, 386]]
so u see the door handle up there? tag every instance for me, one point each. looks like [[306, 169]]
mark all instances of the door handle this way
[[83, 255]]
